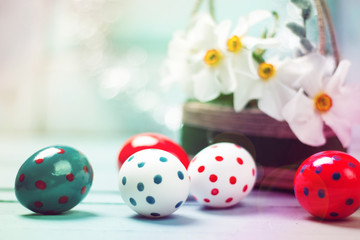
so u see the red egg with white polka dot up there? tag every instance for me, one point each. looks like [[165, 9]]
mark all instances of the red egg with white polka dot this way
[[327, 185], [151, 141], [222, 175], [53, 180]]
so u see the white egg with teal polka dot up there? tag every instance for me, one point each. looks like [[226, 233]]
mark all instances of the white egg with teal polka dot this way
[[222, 175], [154, 183]]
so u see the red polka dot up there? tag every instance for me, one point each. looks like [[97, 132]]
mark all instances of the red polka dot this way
[[206, 200], [229, 200], [70, 177], [219, 158], [245, 188], [39, 161], [240, 161], [38, 204], [40, 185], [238, 146], [21, 177], [215, 146], [201, 169], [61, 151], [215, 191], [253, 171], [83, 190], [63, 199], [86, 169], [232, 180], [194, 159], [213, 178]]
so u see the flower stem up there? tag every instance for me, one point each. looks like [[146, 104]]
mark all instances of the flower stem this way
[[330, 23], [321, 27], [212, 8], [196, 7]]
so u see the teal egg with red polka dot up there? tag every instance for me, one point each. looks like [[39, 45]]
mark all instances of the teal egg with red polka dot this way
[[327, 185], [53, 180]]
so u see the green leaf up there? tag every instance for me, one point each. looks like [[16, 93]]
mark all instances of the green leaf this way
[[297, 29], [302, 4], [306, 13], [306, 44], [258, 56]]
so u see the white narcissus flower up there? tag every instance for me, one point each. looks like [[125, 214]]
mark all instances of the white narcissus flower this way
[[212, 72], [238, 45], [270, 83], [324, 99]]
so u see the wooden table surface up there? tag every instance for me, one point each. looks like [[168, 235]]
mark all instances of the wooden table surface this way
[[103, 215]]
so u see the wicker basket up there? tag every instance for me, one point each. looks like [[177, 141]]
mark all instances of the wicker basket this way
[[276, 150]]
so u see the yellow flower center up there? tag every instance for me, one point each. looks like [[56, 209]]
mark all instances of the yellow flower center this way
[[234, 44], [212, 57], [323, 102], [266, 71]]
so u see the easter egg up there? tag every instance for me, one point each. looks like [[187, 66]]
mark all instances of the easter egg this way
[[154, 183], [53, 180], [154, 141], [222, 175], [327, 185]]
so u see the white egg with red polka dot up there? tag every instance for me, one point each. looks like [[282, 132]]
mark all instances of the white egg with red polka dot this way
[[222, 175], [154, 183]]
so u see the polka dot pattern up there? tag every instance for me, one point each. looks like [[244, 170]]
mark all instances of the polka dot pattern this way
[[54, 177], [70, 177], [157, 179], [153, 175], [140, 187], [320, 182], [225, 181]]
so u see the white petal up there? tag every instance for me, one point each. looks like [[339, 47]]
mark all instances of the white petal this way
[[337, 80], [242, 27], [264, 43], [258, 16], [313, 66], [275, 96], [226, 77], [246, 90], [290, 73], [222, 32], [340, 126], [202, 34], [304, 121], [206, 85], [242, 61]]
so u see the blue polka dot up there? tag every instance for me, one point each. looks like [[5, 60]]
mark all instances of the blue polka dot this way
[[150, 199], [157, 179], [130, 158], [180, 175], [334, 214], [132, 201], [306, 191], [163, 159], [336, 176], [154, 214], [178, 204], [318, 170], [349, 201], [140, 186], [140, 165], [123, 181], [352, 165], [336, 158], [321, 193], [303, 169]]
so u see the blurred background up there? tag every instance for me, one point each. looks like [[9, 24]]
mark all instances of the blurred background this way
[[93, 67]]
